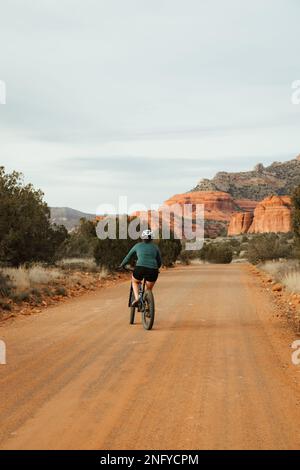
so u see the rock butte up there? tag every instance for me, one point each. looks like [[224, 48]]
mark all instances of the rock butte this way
[[218, 206], [272, 215], [224, 214], [240, 223]]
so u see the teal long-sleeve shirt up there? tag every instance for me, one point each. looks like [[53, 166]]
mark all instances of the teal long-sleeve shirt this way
[[148, 255]]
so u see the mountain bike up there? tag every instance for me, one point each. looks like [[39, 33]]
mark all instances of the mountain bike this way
[[146, 305]]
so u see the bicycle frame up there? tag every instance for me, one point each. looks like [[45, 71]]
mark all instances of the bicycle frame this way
[[146, 305], [142, 287]]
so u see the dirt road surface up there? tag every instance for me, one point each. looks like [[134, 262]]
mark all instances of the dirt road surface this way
[[215, 372]]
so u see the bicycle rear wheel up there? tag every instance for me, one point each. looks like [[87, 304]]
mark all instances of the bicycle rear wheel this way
[[132, 315], [132, 309], [148, 313]]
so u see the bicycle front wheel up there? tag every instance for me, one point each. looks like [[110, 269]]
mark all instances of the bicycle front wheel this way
[[148, 310]]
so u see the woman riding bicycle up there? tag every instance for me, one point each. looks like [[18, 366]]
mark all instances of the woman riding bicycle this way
[[148, 263]]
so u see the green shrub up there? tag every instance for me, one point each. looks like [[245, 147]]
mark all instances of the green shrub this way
[[5, 285], [5, 305], [296, 212], [81, 242], [47, 291], [234, 243], [110, 253], [26, 232], [185, 258], [296, 250], [36, 292], [267, 247], [220, 253], [170, 250], [21, 297], [289, 237], [61, 291], [36, 296]]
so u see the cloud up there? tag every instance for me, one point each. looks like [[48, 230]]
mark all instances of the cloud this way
[[162, 93]]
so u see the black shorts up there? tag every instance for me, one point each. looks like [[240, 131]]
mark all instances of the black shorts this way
[[149, 274]]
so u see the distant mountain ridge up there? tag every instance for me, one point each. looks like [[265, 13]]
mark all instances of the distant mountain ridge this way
[[277, 179], [68, 217], [233, 199]]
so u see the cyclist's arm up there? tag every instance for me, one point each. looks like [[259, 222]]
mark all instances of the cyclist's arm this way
[[128, 256]]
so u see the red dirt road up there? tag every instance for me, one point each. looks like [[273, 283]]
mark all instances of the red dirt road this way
[[215, 372]]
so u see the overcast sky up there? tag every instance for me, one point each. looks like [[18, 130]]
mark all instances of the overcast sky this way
[[144, 98]]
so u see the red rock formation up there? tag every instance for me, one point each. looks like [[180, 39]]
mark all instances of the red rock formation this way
[[273, 214], [246, 204], [218, 206], [240, 223]]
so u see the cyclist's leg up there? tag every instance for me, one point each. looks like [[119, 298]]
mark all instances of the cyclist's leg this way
[[137, 277], [135, 285], [150, 285]]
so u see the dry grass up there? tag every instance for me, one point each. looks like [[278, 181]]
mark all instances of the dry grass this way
[[103, 273], [39, 275], [287, 272], [291, 281], [33, 286], [19, 278], [84, 264], [24, 279]]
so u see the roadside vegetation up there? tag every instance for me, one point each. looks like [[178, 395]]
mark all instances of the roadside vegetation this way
[[26, 233], [286, 272], [270, 246], [282, 254], [41, 262], [220, 253], [276, 254], [40, 285]]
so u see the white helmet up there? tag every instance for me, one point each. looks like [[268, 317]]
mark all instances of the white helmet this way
[[147, 234]]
